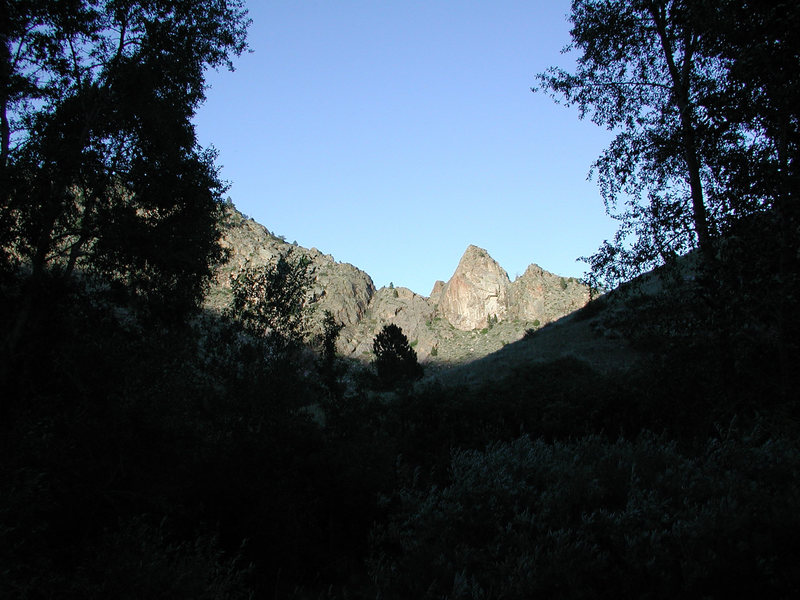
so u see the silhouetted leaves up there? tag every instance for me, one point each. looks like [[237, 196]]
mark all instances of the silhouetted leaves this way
[[269, 301], [395, 359], [101, 173]]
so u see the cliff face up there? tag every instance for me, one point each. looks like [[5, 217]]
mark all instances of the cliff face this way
[[480, 289], [340, 288], [477, 290], [542, 296], [446, 325], [409, 311]]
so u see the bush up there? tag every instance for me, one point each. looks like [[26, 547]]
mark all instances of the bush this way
[[593, 518]]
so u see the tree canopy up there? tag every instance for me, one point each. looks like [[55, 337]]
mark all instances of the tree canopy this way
[[395, 359], [100, 170], [697, 94], [270, 301]]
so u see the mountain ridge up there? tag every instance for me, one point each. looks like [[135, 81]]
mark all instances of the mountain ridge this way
[[476, 311]]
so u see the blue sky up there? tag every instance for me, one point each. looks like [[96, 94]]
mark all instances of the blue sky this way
[[394, 134]]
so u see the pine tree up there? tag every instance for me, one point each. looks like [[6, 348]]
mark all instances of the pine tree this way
[[395, 359]]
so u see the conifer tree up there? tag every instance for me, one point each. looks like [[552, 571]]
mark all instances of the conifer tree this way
[[395, 359]]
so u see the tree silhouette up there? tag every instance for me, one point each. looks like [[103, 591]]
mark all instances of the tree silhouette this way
[[702, 97], [395, 359], [330, 333], [269, 301], [100, 171], [644, 72]]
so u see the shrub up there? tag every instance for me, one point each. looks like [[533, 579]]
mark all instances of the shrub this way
[[623, 519]]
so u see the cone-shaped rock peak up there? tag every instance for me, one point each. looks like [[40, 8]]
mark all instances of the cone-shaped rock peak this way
[[477, 291]]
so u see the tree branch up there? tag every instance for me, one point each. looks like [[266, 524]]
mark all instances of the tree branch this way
[[681, 93]]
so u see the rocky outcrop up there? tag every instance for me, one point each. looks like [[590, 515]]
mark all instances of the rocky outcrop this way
[[337, 287], [480, 290], [436, 292], [454, 324], [399, 306], [477, 290], [342, 289], [539, 295]]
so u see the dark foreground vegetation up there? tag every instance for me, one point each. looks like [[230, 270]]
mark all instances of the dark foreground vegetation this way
[[185, 460], [152, 450]]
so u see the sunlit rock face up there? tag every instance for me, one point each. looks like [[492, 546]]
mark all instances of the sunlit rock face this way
[[399, 306], [436, 292], [340, 288], [403, 308], [542, 296], [477, 291], [480, 289]]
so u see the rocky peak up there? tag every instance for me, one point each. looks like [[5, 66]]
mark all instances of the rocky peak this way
[[452, 324], [480, 289], [436, 292], [477, 290], [542, 296]]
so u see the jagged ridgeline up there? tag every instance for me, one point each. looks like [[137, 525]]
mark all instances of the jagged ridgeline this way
[[476, 312]]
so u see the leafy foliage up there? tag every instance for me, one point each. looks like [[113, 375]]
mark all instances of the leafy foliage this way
[[702, 174], [269, 301], [331, 329], [395, 359], [216, 458], [99, 167], [590, 518], [701, 115], [328, 368], [639, 72]]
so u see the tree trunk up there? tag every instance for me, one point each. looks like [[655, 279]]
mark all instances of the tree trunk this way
[[681, 82], [5, 87]]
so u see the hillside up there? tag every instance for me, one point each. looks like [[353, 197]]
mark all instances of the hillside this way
[[476, 312], [575, 336]]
